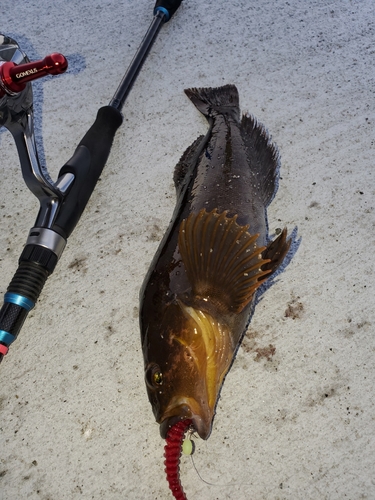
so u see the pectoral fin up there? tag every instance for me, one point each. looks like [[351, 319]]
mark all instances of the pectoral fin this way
[[223, 263]]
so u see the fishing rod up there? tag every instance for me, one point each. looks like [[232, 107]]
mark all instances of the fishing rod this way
[[62, 202]]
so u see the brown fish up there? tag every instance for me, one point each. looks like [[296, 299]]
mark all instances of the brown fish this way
[[197, 297]]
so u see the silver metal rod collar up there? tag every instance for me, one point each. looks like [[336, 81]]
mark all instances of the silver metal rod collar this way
[[48, 239]]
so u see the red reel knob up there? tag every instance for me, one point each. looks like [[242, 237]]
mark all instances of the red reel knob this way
[[13, 78]]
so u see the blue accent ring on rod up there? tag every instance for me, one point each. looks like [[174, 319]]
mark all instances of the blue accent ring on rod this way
[[6, 338], [19, 300], [163, 10]]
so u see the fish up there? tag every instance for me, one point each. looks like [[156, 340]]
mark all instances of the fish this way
[[198, 295]]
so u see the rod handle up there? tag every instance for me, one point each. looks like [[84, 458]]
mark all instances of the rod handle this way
[[86, 165]]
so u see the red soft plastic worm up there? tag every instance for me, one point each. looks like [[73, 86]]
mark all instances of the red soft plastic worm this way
[[172, 453]]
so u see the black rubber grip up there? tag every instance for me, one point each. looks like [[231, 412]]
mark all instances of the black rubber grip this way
[[87, 164], [170, 5], [28, 280]]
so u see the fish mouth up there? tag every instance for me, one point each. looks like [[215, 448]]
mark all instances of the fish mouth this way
[[186, 408]]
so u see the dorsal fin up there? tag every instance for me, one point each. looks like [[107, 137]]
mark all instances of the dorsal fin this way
[[263, 156], [222, 260]]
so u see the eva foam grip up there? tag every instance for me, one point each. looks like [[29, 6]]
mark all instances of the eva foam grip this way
[[86, 165]]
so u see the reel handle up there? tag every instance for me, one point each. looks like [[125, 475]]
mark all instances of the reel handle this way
[[13, 77]]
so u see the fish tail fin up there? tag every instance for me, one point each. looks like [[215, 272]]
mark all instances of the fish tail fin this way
[[220, 100], [262, 155]]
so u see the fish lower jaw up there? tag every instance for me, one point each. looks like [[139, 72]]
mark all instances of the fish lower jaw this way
[[187, 408]]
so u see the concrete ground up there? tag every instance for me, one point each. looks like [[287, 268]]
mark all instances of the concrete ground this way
[[296, 418]]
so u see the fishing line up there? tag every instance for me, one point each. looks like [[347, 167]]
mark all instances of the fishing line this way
[[188, 445], [192, 446], [221, 485]]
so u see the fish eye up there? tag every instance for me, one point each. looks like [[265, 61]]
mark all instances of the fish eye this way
[[154, 376]]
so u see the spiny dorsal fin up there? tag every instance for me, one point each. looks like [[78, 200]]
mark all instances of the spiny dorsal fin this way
[[222, 260], [263, 156]]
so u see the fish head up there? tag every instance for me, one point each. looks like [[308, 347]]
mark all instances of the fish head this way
[[186, 358]]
